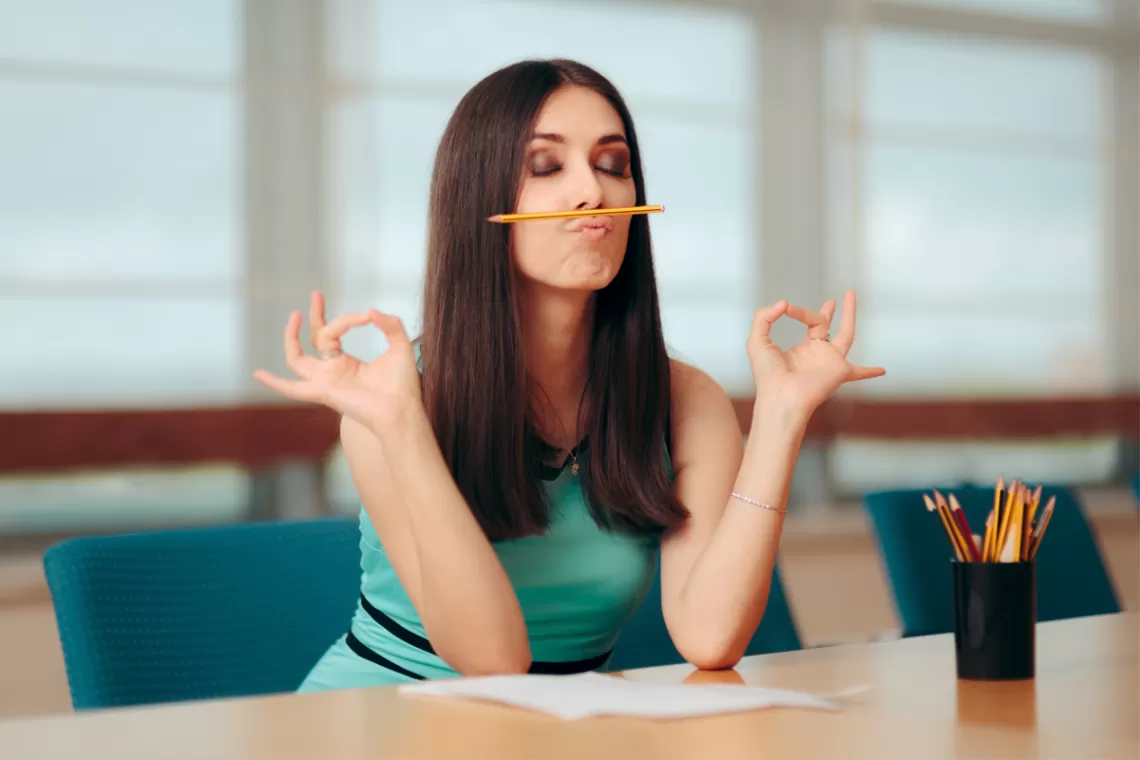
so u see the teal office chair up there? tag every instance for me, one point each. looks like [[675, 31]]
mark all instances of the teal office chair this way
[[645, 640], [1136, 489], [201, 612], [1071, 577]]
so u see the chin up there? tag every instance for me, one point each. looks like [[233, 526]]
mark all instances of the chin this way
[[589, 271], [590, 285]]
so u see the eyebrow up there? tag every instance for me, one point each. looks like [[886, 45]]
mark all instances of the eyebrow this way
[[557, 138]]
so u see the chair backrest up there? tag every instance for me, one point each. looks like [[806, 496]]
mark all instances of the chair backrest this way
[[201, 613], [1071, 577], [645, 640]]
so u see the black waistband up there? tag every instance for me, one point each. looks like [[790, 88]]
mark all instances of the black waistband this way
[[419, 642], [357, 646], [394, 628]]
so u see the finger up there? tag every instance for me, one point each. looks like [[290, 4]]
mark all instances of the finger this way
[[863, 373], [316, 317], [846, 335], [816, 322], [295, 389], [293, 351], [828, 311], [392, 327], [764, 319], [328, 339]]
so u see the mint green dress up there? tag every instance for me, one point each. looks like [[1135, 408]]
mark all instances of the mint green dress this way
[[577, 584]]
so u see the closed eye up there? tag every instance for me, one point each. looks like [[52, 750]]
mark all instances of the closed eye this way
[[549, 170]]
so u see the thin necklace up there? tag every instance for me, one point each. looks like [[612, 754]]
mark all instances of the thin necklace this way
[[574, 461]]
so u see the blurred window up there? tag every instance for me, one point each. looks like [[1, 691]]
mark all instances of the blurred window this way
[[120, 186], [1058, 10], [968, 178], [120, 238]]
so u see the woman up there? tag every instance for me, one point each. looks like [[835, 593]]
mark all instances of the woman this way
[[518, 487]]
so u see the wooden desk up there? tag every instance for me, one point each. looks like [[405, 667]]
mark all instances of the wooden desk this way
[[1083, 704]]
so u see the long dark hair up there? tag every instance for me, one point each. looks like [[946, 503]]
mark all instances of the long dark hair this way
[[475, 385]]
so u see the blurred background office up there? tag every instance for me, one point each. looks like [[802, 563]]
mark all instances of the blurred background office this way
[[177, 175]]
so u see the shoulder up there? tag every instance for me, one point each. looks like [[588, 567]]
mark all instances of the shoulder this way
[[695, 394], [689, 385], [703, 420]]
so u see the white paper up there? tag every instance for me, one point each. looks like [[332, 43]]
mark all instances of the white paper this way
[[591, 694]]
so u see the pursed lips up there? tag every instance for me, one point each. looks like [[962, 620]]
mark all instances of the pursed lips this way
[[591, 226]]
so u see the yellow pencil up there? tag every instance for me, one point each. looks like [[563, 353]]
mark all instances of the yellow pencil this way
[[992, 521], [951, 534], [1021, 504], [1039, 532], [952, 523], [1003, 527], [1006, 547], [1016, 529], [628, 210], [1027, 521], [987, 543], [1034, 501]]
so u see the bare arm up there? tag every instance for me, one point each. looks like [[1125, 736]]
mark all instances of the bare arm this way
[[716, 569], [441, 556], [444, 560]]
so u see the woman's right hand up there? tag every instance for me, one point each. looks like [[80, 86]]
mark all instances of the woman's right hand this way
[[376, 394]]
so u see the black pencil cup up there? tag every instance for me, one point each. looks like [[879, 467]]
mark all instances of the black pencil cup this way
[[995, 619]]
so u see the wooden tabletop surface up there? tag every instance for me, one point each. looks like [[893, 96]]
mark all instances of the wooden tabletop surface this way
[[1083, 704]]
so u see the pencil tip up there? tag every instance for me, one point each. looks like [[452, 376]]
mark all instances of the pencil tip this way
[[495, 218]]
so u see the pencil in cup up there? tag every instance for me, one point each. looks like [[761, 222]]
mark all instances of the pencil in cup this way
[[993, 521], [994, 589], [1042, 524], [1013, 529], [540, 215], [959, 515], [1002, 537], [953, 530]]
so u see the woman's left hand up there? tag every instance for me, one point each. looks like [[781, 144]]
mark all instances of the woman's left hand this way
[[804, 376]]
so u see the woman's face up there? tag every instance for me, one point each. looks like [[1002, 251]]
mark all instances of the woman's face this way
[[577, 159]]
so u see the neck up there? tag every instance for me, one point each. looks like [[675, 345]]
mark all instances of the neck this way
[[557, 331]]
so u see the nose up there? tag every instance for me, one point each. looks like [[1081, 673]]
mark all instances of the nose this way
[[586, 190]]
